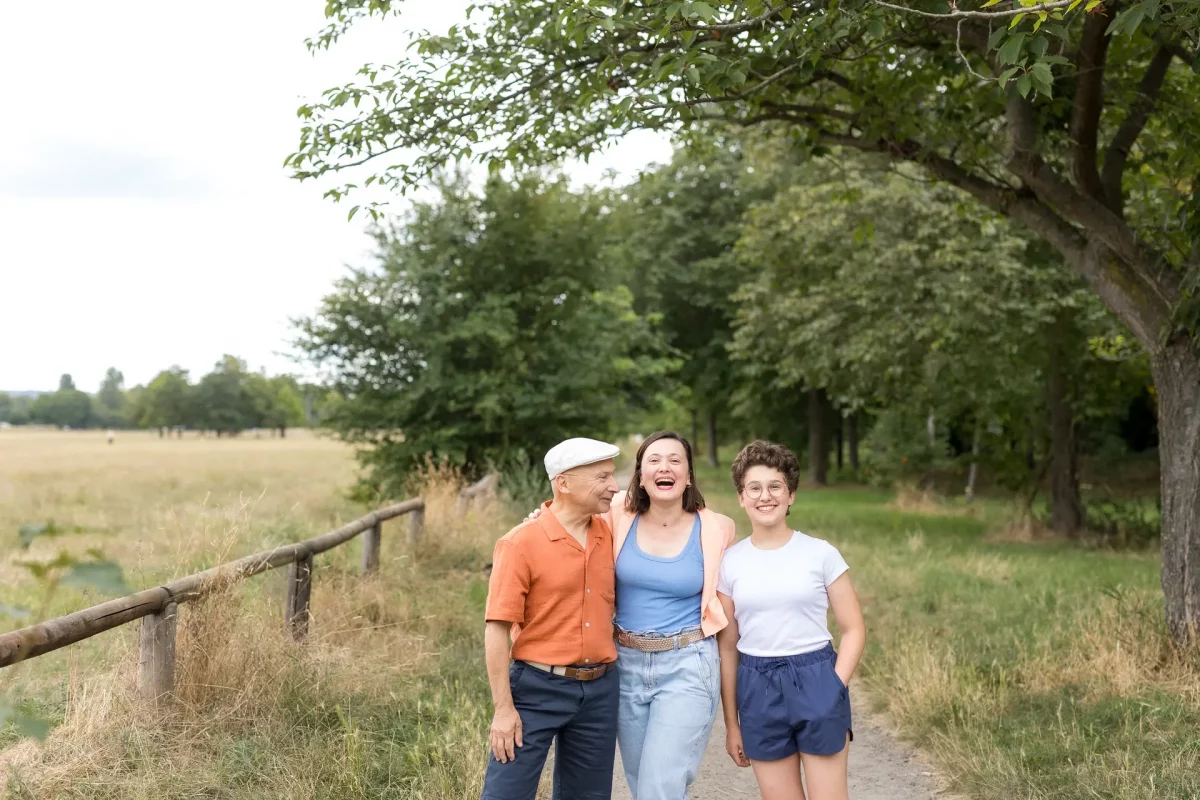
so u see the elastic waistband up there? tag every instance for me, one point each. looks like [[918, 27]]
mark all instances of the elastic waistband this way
[[799, 660]]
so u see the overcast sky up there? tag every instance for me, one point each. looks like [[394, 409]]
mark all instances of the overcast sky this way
[[145, 219]]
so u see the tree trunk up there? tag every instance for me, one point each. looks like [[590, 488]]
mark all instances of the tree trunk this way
[[1066, 510], [1176, 369], [695, 428], [852, 438], [973, 472], [282, 432], [818, 439], [841, 436], [712, 438]]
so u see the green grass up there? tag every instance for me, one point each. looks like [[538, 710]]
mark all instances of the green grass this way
[[1025, 669]]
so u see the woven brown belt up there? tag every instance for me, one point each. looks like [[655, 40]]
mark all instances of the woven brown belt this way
[[658, 644], [576, 673]]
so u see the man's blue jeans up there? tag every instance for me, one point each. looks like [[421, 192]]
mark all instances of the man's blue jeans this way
[[581, 715], [668, 705]]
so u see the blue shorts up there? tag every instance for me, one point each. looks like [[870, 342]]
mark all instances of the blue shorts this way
[[790, 704]]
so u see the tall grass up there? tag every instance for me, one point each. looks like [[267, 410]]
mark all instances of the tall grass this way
[[387, 698], [1026, 668]]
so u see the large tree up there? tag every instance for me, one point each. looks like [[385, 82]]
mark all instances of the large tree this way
[[168, 401], [885, 292], [681, 221], [492, 324], [1101, 162]]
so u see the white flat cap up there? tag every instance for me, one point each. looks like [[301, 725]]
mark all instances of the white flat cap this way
[[576, 453]]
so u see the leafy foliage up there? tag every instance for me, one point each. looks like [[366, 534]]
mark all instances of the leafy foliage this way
[[492, 323]]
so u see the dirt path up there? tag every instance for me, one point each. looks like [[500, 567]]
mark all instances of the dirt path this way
[[880, 769]]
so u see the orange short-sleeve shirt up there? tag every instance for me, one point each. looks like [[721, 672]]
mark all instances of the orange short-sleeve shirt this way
[[560, 596]]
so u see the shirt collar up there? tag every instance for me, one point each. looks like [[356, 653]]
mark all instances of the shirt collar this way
[[550, 524], [555, 531]]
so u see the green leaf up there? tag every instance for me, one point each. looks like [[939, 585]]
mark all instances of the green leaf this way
[[737, 77], [1038, 45], [997, 37], [1091, 5], [103, 576], [1011, 50], [1043, 78], [1008, 76], [990, 3], [608, 24], [1024, 84], [704, 11], [1016, 21], [875, 28]]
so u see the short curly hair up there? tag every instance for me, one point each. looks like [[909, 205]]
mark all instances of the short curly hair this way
[[766, 454]]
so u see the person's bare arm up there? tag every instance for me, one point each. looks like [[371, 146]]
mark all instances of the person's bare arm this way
[[727, 640], [505, 735], [848, 613]]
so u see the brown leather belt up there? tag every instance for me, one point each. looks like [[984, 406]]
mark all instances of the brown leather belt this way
[[658, 644], [576, 673]]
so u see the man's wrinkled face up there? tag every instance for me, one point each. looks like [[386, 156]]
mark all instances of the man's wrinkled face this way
[[591, 487]]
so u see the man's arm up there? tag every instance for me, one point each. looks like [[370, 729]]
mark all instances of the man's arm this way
[[505, 736]]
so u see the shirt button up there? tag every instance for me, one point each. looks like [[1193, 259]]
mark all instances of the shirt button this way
[[587, 661], [589, 591], [587, 624]]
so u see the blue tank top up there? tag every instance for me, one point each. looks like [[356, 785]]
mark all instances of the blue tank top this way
[[660, 595]]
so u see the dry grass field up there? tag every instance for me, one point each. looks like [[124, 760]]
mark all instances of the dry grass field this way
[[1025, 669], [366, 708]]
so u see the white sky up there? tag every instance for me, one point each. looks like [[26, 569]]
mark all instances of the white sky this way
[[145, 218]]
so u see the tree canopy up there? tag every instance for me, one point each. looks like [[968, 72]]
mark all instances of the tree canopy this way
[[493, 323], [1074, 119]]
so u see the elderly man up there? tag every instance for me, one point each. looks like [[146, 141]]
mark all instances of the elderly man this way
[[551, 594]]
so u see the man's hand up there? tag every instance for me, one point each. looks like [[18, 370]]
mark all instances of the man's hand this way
[[733, 746], [506, 734]]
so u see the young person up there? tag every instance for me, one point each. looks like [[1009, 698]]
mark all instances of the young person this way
[[783, 688]]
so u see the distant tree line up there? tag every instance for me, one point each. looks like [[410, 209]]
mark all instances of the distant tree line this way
[[228, 400]]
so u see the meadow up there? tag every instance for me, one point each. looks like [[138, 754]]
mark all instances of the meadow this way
[[1028, 669]]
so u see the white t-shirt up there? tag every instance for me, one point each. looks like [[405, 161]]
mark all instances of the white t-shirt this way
[[780, 596]]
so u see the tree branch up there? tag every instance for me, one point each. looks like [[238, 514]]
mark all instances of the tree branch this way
[[1088, 105], [956, 14], [739, 27], [1131, 128]]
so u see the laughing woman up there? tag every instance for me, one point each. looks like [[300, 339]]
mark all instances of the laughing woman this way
[[667, 550], [783, 688]]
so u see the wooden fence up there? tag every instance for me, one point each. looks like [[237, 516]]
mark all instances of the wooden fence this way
[[158, 607]]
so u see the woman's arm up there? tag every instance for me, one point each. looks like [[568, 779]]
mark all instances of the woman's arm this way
[[727, 639], [848, 613]]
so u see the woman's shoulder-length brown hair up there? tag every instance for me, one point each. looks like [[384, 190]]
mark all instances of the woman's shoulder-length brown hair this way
[[637, 501]]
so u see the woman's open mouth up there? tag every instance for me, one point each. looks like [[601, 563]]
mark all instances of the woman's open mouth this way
[[664, 483]]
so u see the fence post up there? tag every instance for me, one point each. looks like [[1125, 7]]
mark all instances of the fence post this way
[[370, 554], [156, 656], [416, 526], [299, 591]]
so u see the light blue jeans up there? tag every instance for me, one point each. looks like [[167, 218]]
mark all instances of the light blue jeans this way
[[666, 713]]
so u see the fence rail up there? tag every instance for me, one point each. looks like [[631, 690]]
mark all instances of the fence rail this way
[[158, 607]]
